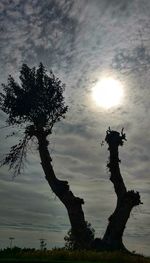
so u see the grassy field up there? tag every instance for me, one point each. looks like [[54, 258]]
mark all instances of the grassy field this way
[[61, 255]]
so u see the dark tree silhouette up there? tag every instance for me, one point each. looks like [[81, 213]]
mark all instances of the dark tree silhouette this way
[[126, 200], [37, 103], [71, 242]]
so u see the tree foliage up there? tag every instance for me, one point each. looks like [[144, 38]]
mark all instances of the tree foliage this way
[[38, 99], [72, 243], [37, 102]]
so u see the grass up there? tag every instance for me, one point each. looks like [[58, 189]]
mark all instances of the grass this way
[[62, 255]]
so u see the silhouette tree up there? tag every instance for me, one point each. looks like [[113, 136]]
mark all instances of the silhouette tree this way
[[36, 104], [126, 200], [43, 244], [72, 244]]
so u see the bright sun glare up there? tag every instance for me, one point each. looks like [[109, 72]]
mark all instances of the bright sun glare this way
[[108, 93]]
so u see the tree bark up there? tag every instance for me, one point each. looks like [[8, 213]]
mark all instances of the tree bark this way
[[126, 200], [62, 191]]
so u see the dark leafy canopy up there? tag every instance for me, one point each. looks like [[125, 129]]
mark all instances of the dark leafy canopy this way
[[36, 101]]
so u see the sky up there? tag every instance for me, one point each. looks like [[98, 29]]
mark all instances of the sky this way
[[82, 41]]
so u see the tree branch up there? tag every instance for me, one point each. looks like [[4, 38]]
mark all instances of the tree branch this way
[[15, 158]]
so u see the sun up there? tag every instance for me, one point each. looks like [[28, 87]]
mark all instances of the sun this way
[[108, 92]]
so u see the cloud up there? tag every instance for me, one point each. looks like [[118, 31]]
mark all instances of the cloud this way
[[80, 41]]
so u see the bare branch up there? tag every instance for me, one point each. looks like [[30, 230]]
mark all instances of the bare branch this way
[[15, 158]]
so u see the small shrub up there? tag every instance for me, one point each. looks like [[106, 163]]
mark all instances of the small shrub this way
[[80, 240]]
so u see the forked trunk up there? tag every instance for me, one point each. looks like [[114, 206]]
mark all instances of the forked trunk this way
[[62, 191]]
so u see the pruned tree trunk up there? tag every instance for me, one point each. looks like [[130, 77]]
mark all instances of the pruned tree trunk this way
[[62, 191], [126, 200]]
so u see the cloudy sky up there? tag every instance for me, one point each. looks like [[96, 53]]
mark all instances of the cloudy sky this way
[[82, 41]]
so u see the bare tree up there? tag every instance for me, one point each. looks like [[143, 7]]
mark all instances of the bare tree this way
[[126, 200], [43, 244]]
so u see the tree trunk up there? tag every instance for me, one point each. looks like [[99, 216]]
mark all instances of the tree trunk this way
[[126, 200], [73, 204]]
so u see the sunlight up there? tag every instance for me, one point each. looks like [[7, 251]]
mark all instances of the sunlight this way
[[107, 93]]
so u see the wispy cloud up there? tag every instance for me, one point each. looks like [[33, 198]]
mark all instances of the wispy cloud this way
[[80, 41]]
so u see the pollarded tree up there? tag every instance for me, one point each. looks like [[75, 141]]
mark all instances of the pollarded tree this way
[[37, 103], [126, 199]]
